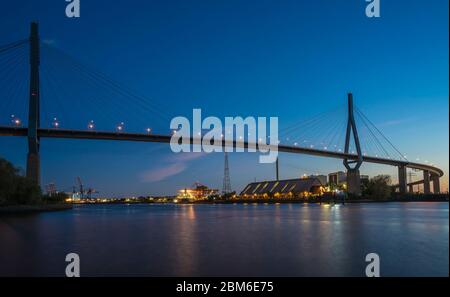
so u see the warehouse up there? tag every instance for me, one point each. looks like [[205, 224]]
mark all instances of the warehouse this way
[[290, 188]]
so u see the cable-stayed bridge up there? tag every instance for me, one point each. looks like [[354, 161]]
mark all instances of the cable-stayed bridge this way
[[342, 133]]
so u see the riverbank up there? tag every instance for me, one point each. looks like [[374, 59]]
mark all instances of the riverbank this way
[[316, 200], [324, 201], [25, 209]]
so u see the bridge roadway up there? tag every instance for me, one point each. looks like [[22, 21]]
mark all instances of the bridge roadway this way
[[123, 136]]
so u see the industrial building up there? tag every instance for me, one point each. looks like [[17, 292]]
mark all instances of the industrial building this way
[[340, 177], [291, 188], [322, 178], [198, 192], [364, 178], [337, 178]]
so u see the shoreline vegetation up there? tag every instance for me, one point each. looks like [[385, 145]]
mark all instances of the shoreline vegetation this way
[[20, 195]]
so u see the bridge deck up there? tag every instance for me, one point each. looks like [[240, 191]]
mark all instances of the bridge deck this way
[[105, 135]]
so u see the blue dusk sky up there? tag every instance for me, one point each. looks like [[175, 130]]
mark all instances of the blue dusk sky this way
[[291, 59]]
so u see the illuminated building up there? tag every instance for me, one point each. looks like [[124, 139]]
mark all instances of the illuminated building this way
[[289, 189], [337, 178], [322, 178], [340, 178], [199, 192]]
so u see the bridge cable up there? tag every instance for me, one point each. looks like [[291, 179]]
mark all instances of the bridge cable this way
[[104, 79], [10, 65], [92, 82], [375, 140], [384, 137], [309, 127], [12, 45], [49, 68], [104, 102]]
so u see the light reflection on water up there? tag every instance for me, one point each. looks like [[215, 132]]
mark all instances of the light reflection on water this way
[[235, 240]]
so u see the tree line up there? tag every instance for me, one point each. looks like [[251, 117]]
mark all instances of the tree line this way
[[16, 189]]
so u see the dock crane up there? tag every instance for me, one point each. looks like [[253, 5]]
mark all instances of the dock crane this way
[[83, 191]]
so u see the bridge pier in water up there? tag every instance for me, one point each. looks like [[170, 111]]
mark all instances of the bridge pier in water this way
[[426, 182], [353, 181], [402, 179], [436, 183]]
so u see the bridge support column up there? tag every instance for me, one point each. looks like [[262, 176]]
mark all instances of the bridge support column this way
[[411, 188], [277, 170], [402, 182], [33, 167], [353, 182], [426, 182], [33, 159], [436, 184], [353, 178]]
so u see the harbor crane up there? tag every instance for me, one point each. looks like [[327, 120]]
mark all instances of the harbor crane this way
[[83, 191]]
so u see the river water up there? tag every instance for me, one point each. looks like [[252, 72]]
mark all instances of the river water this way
[[411, 239]]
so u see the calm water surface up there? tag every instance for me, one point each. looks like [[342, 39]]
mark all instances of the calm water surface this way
[[412, 239]]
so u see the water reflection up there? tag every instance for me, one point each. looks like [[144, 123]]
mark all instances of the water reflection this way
[[183, 246], [236, 239]]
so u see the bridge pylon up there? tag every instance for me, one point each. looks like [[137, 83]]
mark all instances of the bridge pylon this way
[[426, 182], [436, 183], [402, 179], [353, 177], [33, 158]]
